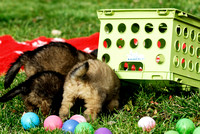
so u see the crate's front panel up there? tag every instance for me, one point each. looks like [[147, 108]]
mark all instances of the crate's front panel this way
[[136, 46], [185, 60]]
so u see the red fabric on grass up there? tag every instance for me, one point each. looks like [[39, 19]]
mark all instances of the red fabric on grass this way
[[10, 49]]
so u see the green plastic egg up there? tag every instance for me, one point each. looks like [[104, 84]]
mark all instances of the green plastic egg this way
[[197, 130], [185, 126], [171, 132], [84, 128]]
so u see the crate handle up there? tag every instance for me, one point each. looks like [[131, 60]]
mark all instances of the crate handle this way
[[178, 80], [182, 14], [162, 12], [157, 77], [108, 12]]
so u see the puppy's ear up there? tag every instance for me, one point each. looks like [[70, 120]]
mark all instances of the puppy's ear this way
[[94, 52], [80, 70]]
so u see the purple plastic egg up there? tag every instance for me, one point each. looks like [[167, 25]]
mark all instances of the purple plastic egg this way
[[103, 130]]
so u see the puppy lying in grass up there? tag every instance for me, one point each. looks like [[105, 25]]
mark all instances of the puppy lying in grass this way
[[56, 56], [42, 90], [94, 82]]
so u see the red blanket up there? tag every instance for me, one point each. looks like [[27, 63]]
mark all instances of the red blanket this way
[[11, 49]]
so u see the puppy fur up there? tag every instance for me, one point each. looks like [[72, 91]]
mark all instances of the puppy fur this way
[[94, 82], [42, 90], [56, 56]]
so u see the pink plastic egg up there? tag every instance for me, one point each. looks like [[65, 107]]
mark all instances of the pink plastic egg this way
[[147, 123], [78, 118], [53, 122]]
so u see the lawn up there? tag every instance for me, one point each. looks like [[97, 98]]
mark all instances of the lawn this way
[[29, 19]]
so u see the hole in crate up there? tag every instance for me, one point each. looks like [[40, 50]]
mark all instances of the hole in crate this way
[[197, 68], [183, 63], [147, 43], [131, 66], [160, 58], [120, 43], [126, 66], [121, 27], [198, 52], [176, 61], [198, 37], [106, 58], [191, 50], [108, 28], [185, 32], [192, 35], [184, 47], [161, 43], [177, 45], [140, 68], [190, 65], [162, 27], [148, 27], [134, 43], [107, 43], [178, 30], [135, 28]]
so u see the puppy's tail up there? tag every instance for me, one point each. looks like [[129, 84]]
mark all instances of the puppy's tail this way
[[13, 70], [13, 92], [80, 70]]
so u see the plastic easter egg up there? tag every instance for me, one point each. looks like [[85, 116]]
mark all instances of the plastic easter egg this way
[[69, 126], [30, 120], [185, 126], [103, 131], [84, 128], [171, 132], [53, 122], [78, 118], [147, 123], [196, 130]]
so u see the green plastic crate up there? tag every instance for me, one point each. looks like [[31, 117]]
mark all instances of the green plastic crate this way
[[157, 46]]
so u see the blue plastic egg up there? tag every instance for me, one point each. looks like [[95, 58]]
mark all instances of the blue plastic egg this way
[[30, 120], [69, 125]]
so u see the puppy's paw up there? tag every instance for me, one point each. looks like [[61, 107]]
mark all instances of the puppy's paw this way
[[63, 116], [90, 116]]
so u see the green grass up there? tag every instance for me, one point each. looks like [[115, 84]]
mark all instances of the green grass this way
[[29, 19]]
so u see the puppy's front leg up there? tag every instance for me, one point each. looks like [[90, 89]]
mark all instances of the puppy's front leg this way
[[113, 104], [67, 103], [45, 106], [29, 106], [94, 106]]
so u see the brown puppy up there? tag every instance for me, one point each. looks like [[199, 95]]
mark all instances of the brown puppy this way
[[94, 82], [56, 56], [43, 90]]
